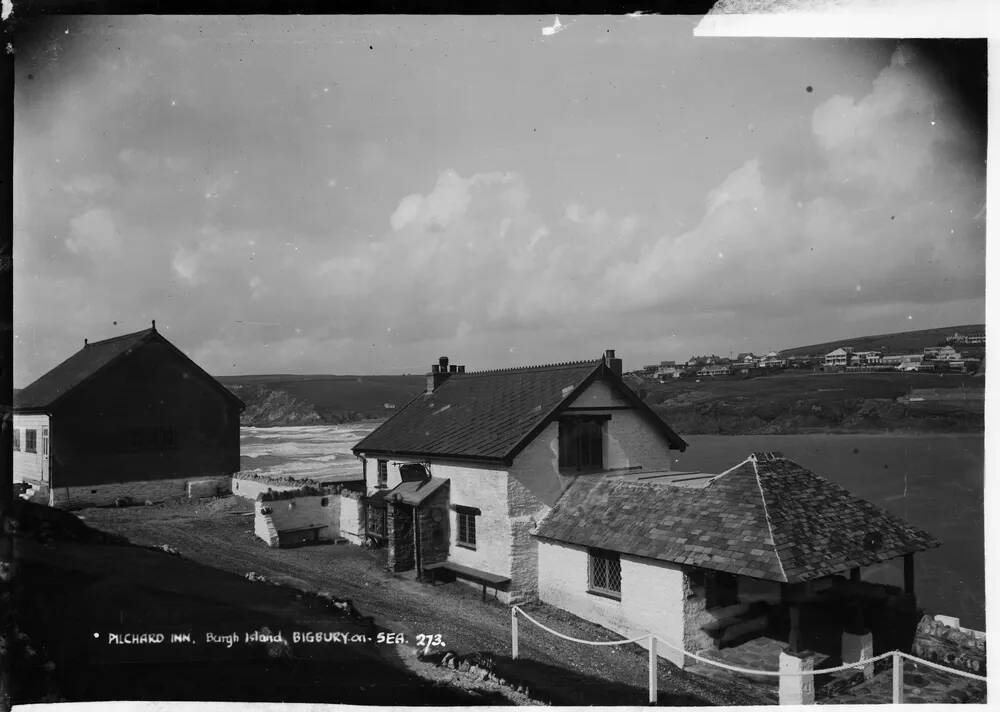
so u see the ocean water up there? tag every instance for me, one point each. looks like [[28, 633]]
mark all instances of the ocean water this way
[[933, 481], [319, 452]]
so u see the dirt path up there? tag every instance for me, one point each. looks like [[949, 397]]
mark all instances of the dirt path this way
[[217, 533]]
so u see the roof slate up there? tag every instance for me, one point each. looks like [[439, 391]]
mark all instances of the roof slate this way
[[485, 415], [767, 518], [76, 369], [416, 492]]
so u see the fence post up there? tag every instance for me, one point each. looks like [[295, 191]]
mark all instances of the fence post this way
[[513, 632], [897, 678], [653, 693]]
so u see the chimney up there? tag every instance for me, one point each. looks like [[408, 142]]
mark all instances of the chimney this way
[[440, 372], [612, 363]]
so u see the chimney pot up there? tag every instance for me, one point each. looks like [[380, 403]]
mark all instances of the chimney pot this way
[[154, 324], [435, 368], [444, 363], [461, 369], [609, 353], [453, 369], [85, 341]]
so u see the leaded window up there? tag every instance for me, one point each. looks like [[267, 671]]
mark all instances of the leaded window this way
[[606, 572]]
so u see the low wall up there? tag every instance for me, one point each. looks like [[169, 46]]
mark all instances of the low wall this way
[[139, 491], [945, 643], [249, 489], [352, 522], [276, 521]]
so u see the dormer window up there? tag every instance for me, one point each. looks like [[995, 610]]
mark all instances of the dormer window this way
[[581, 442]]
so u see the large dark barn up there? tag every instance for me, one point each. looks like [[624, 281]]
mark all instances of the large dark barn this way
[[127, 417]]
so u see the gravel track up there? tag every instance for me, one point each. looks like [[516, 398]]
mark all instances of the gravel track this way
[[217, 534]]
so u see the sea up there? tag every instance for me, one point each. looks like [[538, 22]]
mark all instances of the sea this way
[[935, 481]]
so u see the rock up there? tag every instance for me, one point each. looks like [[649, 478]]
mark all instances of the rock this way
[[464, 666]]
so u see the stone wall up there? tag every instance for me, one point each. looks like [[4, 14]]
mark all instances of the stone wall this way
[[433, 527], [139, 491], [248, 485], [399, 536], [652, 595], [273, 520], [956, 647]]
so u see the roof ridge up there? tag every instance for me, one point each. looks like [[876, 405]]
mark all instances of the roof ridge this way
[[512, 369], [767, 517], [118, 338]]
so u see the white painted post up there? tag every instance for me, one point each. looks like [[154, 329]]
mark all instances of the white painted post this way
[[897, 679], [653, 692], [513, 632]]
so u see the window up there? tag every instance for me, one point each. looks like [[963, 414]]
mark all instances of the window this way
[[581, 442], [466, 518], [45, 441], [605, 573], [17, 439], [383, 474], [29, 441]]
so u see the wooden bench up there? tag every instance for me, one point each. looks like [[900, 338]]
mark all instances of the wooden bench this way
[[467, 572], [292, 533]]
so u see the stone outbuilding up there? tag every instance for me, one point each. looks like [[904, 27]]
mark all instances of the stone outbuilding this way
[[706, 561]]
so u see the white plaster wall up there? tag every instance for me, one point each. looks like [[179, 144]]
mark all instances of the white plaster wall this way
[[350, 519], [299, 513], [631, 440], [485, 489], [371, 473], [652, 598], [31, 466], [598, 394], [140, 491]]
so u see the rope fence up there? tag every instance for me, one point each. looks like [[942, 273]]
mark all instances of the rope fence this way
[[653, 639]]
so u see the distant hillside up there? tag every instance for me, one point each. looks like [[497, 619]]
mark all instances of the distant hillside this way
[[901, 342], [283, 399]]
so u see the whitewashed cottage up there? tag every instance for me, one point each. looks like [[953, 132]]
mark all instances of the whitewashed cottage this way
[[458, 479]]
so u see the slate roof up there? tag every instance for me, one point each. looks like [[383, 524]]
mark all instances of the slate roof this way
[[86, 363], [767, 518], [416, 492], [492, 415]]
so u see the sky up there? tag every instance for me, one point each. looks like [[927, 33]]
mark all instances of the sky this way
[[364, 194]]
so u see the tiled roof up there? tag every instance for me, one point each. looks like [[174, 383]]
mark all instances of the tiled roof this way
[[767, 518], [76, 369], [491, 415], [415, 492], [87, 362]]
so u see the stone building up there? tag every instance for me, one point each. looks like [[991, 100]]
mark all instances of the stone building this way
[[130, 416], [458, 479], [706, 561]]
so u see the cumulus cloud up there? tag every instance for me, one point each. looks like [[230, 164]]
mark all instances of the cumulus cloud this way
[[94, 231]]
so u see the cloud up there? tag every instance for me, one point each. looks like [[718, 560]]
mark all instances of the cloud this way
[[94, 231]]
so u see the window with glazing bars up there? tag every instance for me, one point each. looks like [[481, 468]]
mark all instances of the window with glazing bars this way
[[466, 529], [606, 572], [383, 474], [581, 442], [30, 440], [17, 438]]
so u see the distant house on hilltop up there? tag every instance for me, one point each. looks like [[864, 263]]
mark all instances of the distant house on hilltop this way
[[839, 357], [459, 477], [130, 416]]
